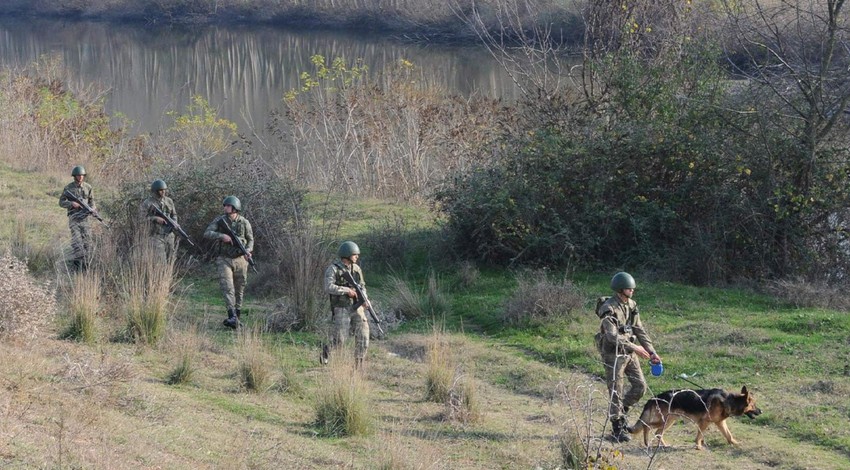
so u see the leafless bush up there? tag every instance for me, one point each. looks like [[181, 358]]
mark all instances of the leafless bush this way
[[395, 134], [802, 293], [538, 298], [31, 308]]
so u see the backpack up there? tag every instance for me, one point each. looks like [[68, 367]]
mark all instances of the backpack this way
[[599, 302]]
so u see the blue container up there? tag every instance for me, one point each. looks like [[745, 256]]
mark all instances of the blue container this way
[[657, 369]]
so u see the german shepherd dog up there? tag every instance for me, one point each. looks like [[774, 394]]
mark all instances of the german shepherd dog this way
[[702, 407]]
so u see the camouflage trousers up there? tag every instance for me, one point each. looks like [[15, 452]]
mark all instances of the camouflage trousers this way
[[618, 368], [162, 246], [232, 277], [347, 323], [81, 238]]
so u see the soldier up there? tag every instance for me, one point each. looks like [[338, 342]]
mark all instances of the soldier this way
[[78, 217], [231, 262], [623, 342], [343, 297], [161, 234]]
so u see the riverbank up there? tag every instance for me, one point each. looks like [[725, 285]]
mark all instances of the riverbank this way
[[428, 21]]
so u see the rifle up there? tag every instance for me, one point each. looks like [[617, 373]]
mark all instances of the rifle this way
[[87, 208], [361, 298], [236, 241], [171, 223]]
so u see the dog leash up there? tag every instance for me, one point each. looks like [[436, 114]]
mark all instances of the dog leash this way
[[685, 378]]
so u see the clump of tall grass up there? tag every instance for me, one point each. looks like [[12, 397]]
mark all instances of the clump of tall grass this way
[[82, 299], [463, 404], [440, 375], [303, 253], [33, 305], [39, 256], [186, 346], [538, 298], [342, 400], [147, 283], [254, 362], [429, 302]]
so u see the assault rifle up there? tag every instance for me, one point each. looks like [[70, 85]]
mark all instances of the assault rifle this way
[[361, 298], [171, 223], [236, 241], [87, 208]]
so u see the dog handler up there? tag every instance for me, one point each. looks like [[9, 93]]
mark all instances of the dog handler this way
[[623, 342]]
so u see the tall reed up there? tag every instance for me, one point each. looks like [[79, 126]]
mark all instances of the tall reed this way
[[147, 281], [82, 299]]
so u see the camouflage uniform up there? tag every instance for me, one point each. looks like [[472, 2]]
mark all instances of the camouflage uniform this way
[[619, 329], [232, 265], [346, 321], [78, 222], [162, 237]]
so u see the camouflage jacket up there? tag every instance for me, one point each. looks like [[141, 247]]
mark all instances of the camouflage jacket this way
[[241, 227], [621, 326], [82, 191], [335, 284], [166, 205]]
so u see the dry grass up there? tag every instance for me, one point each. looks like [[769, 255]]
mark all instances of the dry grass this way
[[802, 293], [82, 299], [342, 400], [185, 347], [464, 404], [440, 374], [538, 298], [29, 306], [411, 303], [147, 284], [254, 363]]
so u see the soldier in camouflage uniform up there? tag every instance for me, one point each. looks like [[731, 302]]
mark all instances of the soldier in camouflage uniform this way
[[345, 320], [78, 218], [162, 237], [623, 342], [232, 264]]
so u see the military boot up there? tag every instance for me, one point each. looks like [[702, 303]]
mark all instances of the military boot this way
[[620, 430], [232, 321]]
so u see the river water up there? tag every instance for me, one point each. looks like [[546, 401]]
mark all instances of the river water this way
[[242, 71]]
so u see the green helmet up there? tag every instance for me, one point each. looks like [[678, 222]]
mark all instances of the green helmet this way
[[347, 249], [157, 185], [622, 280], [78, 170], [233, 201]]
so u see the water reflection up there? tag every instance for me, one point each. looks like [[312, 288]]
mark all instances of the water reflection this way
[[242, 71]]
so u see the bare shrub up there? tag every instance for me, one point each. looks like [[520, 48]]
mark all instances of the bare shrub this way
[[254, 361], [82, 300], [802, 293], [342, 400], [440, 375], [33, 305], [537, 298], [396, 134]]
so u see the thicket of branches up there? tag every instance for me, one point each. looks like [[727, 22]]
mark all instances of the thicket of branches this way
[[662, 161]]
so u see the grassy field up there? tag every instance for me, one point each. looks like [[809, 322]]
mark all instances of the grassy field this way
[[109, 405]]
